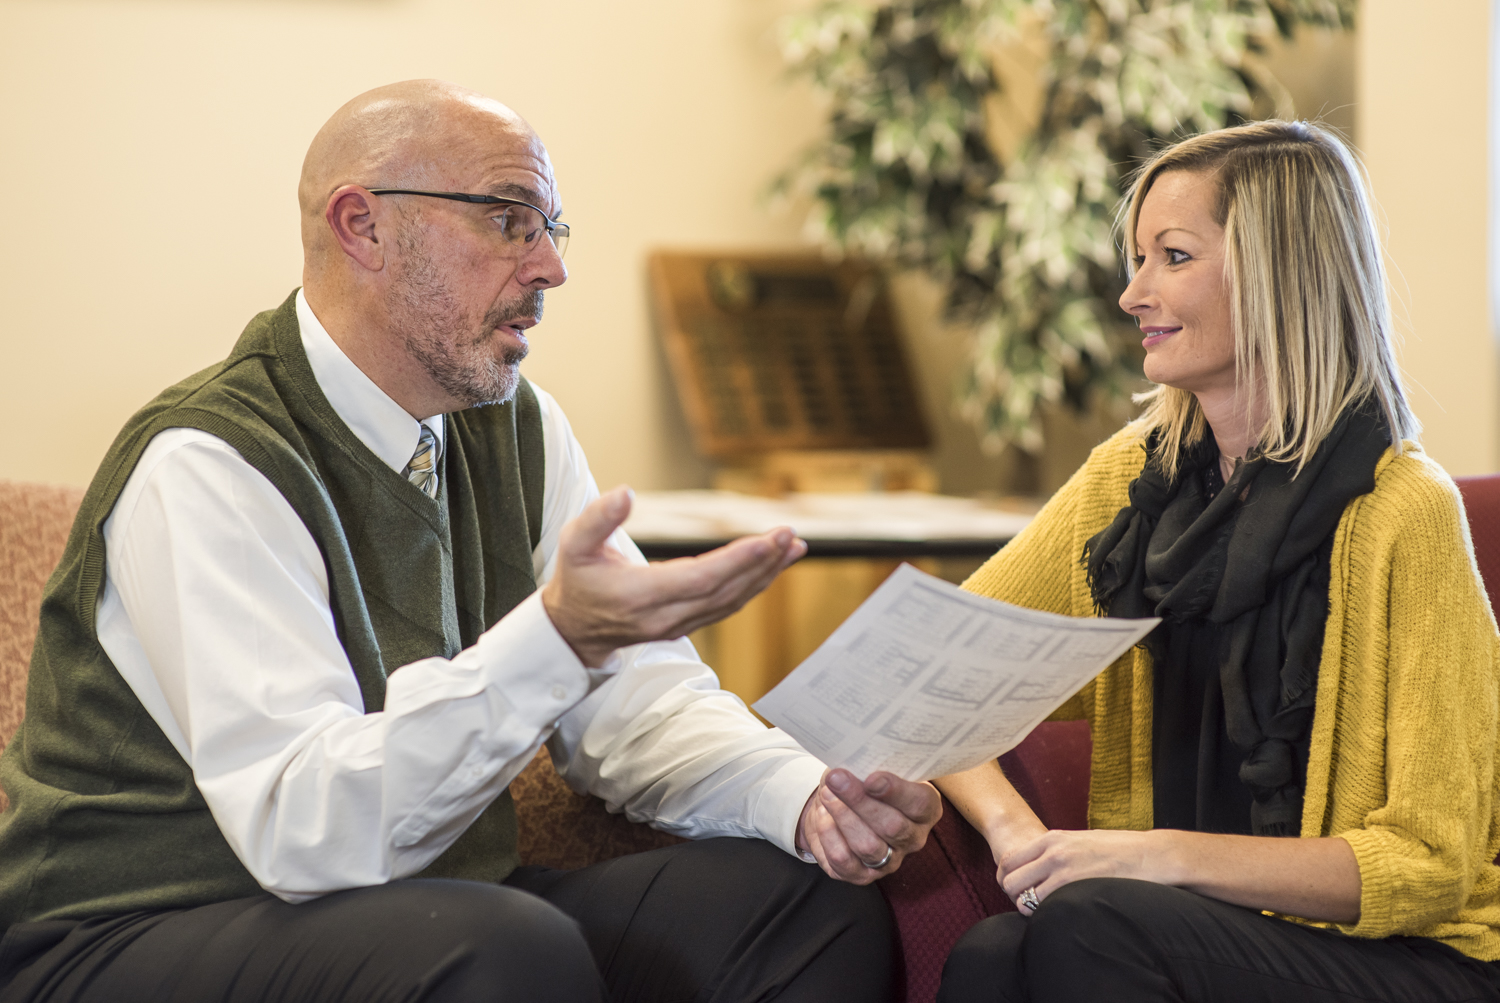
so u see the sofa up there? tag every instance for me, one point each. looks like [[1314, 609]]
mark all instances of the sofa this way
[[936, 895]]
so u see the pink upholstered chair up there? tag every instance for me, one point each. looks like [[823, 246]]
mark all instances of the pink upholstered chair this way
[[34, 522], [950, 885]]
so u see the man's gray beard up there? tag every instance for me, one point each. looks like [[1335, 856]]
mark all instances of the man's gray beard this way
[[459, 359], [464, 365]]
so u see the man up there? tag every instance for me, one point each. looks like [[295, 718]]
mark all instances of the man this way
[[295, 651]]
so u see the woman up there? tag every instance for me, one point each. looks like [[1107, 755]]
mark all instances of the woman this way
[[1326, 665]]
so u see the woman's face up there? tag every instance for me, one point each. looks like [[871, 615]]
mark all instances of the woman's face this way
[[1179, 295]]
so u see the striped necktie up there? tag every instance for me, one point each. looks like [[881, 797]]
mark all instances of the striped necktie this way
[[422, 470]]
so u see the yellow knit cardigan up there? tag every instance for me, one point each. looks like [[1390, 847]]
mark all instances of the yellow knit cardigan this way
[[1402, 762]]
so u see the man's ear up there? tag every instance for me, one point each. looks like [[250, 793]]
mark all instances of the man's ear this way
[[351, 216]]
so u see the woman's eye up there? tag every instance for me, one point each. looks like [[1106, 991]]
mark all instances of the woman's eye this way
[[1140, 261], [1175, 257]]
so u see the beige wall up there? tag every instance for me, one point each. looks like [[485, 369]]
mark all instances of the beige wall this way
[[1423, 125], [149, 149]]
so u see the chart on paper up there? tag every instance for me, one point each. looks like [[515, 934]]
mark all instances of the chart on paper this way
[[925, 679]]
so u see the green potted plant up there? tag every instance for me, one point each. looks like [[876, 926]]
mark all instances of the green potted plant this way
[[907, 173]]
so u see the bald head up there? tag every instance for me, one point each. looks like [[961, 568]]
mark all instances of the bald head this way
[[425, 134], [431, 298]]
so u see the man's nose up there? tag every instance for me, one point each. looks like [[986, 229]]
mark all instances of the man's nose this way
[[542, 266]]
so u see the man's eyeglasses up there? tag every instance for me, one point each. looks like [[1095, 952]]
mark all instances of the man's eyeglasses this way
[[521, 224]]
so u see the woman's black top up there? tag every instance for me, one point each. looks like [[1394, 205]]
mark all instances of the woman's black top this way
[[1239, 573]]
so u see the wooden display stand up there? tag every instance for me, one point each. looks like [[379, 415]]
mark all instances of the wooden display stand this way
[[793, 377], [784, 352], [782, 472]]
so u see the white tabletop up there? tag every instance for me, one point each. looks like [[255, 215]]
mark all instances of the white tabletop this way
[[891, 515]]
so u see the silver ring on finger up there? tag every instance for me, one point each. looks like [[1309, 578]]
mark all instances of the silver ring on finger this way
[[1029, 900], [889, 850]]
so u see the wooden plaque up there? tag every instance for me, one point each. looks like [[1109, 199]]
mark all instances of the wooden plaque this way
[[774, 352]]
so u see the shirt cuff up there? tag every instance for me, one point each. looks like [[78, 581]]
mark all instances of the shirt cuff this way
[[782, 798], [528, 661]]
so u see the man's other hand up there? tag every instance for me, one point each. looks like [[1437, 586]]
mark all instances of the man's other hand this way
[[599, 601], [848, 825]]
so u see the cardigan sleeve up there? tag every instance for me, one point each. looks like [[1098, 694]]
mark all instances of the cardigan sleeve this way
[[1042, 567], [1427, 839], [1033, 570]]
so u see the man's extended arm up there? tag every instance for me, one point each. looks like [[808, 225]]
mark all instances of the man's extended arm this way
[[661, 741], [216, 612]]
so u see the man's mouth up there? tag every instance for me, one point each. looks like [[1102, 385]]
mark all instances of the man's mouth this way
[[514, 344], [512, 320]]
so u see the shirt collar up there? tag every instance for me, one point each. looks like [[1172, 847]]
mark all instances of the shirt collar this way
[[379, 422]]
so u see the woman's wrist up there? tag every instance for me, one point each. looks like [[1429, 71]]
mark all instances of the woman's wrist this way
[[993, 807], [1171, 859], [1010, 831]]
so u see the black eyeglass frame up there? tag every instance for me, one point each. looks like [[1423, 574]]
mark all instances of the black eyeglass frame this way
[[548, 222]]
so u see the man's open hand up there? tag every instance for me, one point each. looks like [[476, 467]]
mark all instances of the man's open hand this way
[[599, 601], [848, 826]]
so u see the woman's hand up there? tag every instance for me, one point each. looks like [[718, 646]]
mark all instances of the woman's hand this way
[[1312, 878], [1061, 856], [1316, 879]]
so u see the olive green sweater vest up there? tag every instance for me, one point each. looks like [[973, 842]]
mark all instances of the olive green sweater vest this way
[[105, 817]]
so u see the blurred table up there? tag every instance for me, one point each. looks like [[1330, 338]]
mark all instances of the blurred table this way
[[884, 524], [854, 541]]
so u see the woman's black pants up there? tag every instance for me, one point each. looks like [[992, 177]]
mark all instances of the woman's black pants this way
[[1128, 941], [716, 921]]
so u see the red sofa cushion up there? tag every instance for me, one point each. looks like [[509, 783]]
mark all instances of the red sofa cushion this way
[[950, 884], [1482, 503]]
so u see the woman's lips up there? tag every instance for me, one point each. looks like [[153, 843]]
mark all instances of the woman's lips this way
[[1156, 335]]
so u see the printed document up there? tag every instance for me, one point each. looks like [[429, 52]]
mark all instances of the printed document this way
[[925, 679]]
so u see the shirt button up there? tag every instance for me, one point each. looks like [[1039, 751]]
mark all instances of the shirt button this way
[[558, 693]]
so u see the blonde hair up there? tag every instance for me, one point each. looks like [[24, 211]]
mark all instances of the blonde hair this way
[[1307, 288]]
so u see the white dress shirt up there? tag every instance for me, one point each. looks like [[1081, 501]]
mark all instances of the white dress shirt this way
[[216, 612]]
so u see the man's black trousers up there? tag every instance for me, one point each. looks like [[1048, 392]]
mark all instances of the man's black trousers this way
[[1131, 941], [719, 920]]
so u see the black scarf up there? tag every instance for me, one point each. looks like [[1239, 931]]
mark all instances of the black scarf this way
[[1241, 582]]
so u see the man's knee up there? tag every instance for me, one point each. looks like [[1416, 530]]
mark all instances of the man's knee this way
[[764, 866], [453, 939], [784, 924], [506, 919], [851, 925]]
